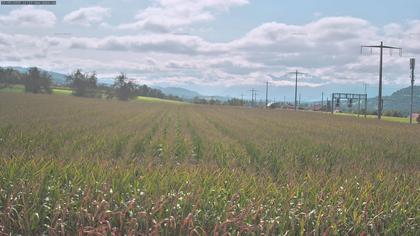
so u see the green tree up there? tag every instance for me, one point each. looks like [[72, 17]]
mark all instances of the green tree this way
[[144, 90], [235, 102], [214, 102], [37, 82], [123, 88], [199, 100], [10, 76], [83, 85]]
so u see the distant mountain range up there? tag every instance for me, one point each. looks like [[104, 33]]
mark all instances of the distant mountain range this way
[[180, 92], [188, 94]]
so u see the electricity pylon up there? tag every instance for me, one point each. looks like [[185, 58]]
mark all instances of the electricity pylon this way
[[381, 47]]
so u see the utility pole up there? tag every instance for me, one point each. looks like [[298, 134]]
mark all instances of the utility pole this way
[[365, 84], [296, 87], [322, 101], [296, 90], [296, 73], [327, 104], [381, 47], [253, 96], [412, 65], [242, 99], [266, 95]]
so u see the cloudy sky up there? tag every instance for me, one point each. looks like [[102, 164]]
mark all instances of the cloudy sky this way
[[219, 47]]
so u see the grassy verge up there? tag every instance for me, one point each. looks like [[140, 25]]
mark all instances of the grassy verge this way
[[385, 118], [68, 91], [158, 100]]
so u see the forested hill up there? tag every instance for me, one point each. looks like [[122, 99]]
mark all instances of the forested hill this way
[[57, 78], [399, 100]]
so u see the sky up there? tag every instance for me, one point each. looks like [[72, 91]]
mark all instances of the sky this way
[[220, 47]]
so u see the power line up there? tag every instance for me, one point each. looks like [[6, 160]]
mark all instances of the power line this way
[[381, 47], [296, 85]]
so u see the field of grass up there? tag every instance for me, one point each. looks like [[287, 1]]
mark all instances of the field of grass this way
[[68, 91], [62, 91], [159, 100], [73, 166], [13, 89], [21, 89], [405, 120]]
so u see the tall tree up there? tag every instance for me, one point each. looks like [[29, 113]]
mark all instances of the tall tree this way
[[37, 82], [123, 88], [83, 85]]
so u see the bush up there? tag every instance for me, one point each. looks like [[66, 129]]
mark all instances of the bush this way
[[37, 81], [123, 88], [83, 85], [393, 113], [10, 76], [235, 102]]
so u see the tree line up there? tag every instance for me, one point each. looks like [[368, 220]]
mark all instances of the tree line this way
[[35, 81], [213, 101], [10, 76], [82, 85]]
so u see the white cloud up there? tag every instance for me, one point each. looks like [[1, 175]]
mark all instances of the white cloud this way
[[157, 43], [328, 48], [393, 29], [87, 16], [24, 47], [172, 15], [332, 36], [28, 16]]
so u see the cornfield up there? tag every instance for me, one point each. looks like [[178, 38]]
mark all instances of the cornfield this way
[[76, 166]]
